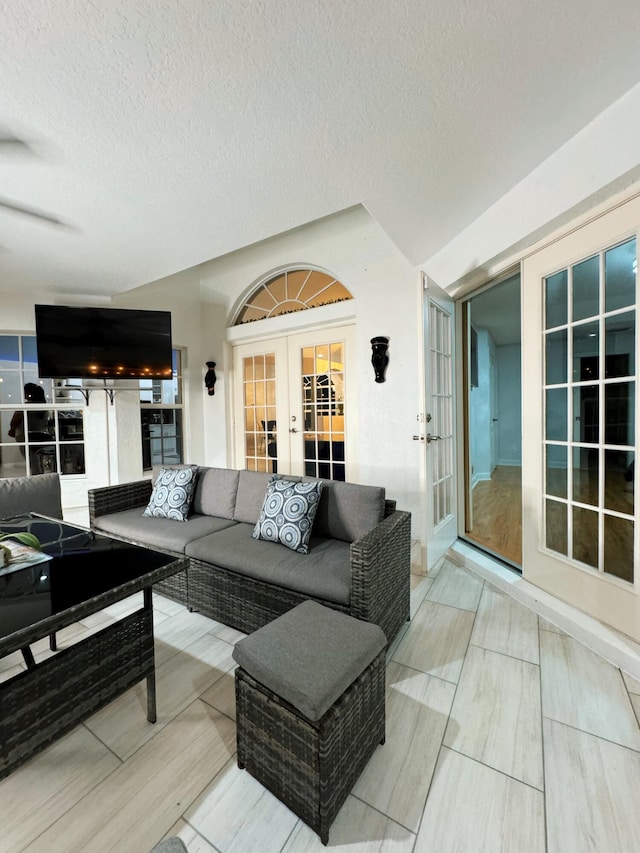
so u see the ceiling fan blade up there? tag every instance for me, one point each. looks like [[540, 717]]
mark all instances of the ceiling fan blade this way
[[12, 146], [30, 211], [7, 139]]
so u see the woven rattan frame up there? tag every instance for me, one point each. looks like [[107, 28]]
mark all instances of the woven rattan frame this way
[[240, 601], [50, 698], [310, 766], [40, 705], [134, 495], [380, 573]]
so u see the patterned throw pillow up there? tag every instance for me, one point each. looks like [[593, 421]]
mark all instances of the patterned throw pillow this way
[[173, 493], [287, 513]]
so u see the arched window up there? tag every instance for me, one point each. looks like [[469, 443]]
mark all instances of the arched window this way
[[289, 291]]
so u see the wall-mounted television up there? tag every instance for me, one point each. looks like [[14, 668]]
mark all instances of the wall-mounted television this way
[[102, 343]]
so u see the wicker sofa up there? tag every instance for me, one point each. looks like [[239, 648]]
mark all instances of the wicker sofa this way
[[358, 560]]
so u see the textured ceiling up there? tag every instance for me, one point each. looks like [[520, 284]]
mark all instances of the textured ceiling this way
[[165, 133]]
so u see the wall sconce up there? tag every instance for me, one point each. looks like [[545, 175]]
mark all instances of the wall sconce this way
[[210, 378], [379, 356]]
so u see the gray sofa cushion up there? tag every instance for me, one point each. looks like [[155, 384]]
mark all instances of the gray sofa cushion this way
[[39, 493], [252, 487], [161, 533], [310, 655], [216, 492], [323, 573], [348, 510]]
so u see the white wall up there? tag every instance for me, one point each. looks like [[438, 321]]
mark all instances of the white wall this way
[[480, 412], [599, 161], [386, 288]]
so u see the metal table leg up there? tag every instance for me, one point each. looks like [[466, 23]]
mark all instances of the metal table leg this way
[[151, 678]]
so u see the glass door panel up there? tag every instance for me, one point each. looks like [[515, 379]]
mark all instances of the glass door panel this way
[[601, 390], [290, 404], [439, 425], [322, 386], [493, 393], [580, 540], [259, 396]]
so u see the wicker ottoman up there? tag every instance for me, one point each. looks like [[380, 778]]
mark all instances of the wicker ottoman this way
[[310, 690]]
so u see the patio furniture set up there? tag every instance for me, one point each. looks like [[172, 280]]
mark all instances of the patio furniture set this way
[[315, 572]]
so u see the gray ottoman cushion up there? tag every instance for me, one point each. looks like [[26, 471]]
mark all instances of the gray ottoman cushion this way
[[310, 655], [170, 845]]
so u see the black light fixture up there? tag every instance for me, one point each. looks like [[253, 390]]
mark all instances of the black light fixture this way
[[379, 356], [210, 378]]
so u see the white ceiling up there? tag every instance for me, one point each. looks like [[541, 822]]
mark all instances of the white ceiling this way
[[164, 134]]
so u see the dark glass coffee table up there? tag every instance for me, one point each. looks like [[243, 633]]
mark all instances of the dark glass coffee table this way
[[86, 573]]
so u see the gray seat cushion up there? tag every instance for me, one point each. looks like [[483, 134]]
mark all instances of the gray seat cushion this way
[[161, 533], [39, 493], [310, 655], [323, 573]]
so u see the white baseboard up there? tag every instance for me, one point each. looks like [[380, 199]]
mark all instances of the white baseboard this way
[[479, 478]]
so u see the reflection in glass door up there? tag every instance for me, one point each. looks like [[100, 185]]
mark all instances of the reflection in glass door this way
[[589, 426], [580, 343], [259, 412], [322, 378], [290, 408]]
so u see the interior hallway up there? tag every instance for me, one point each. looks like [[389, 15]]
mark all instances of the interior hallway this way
[[503, 734], [497, 513]]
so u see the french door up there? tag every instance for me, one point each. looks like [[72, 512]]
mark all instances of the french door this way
[[291, 410], [580, 439], [441, 503]]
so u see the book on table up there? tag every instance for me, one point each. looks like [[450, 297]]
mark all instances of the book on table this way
[[21, 556]]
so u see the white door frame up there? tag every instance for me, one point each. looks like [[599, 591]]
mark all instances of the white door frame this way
[[440, 417]]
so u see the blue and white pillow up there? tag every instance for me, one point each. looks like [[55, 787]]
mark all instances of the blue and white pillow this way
[[287, 513], [173, 493]]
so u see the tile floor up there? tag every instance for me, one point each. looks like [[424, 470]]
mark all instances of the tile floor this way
[[503, 734]]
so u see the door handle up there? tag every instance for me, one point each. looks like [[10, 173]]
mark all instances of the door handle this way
[[431, 438], [293, 429]]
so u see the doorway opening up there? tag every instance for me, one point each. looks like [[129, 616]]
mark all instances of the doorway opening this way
[[493, 420]]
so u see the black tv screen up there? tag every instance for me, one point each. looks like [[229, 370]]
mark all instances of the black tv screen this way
[[102, 343]]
